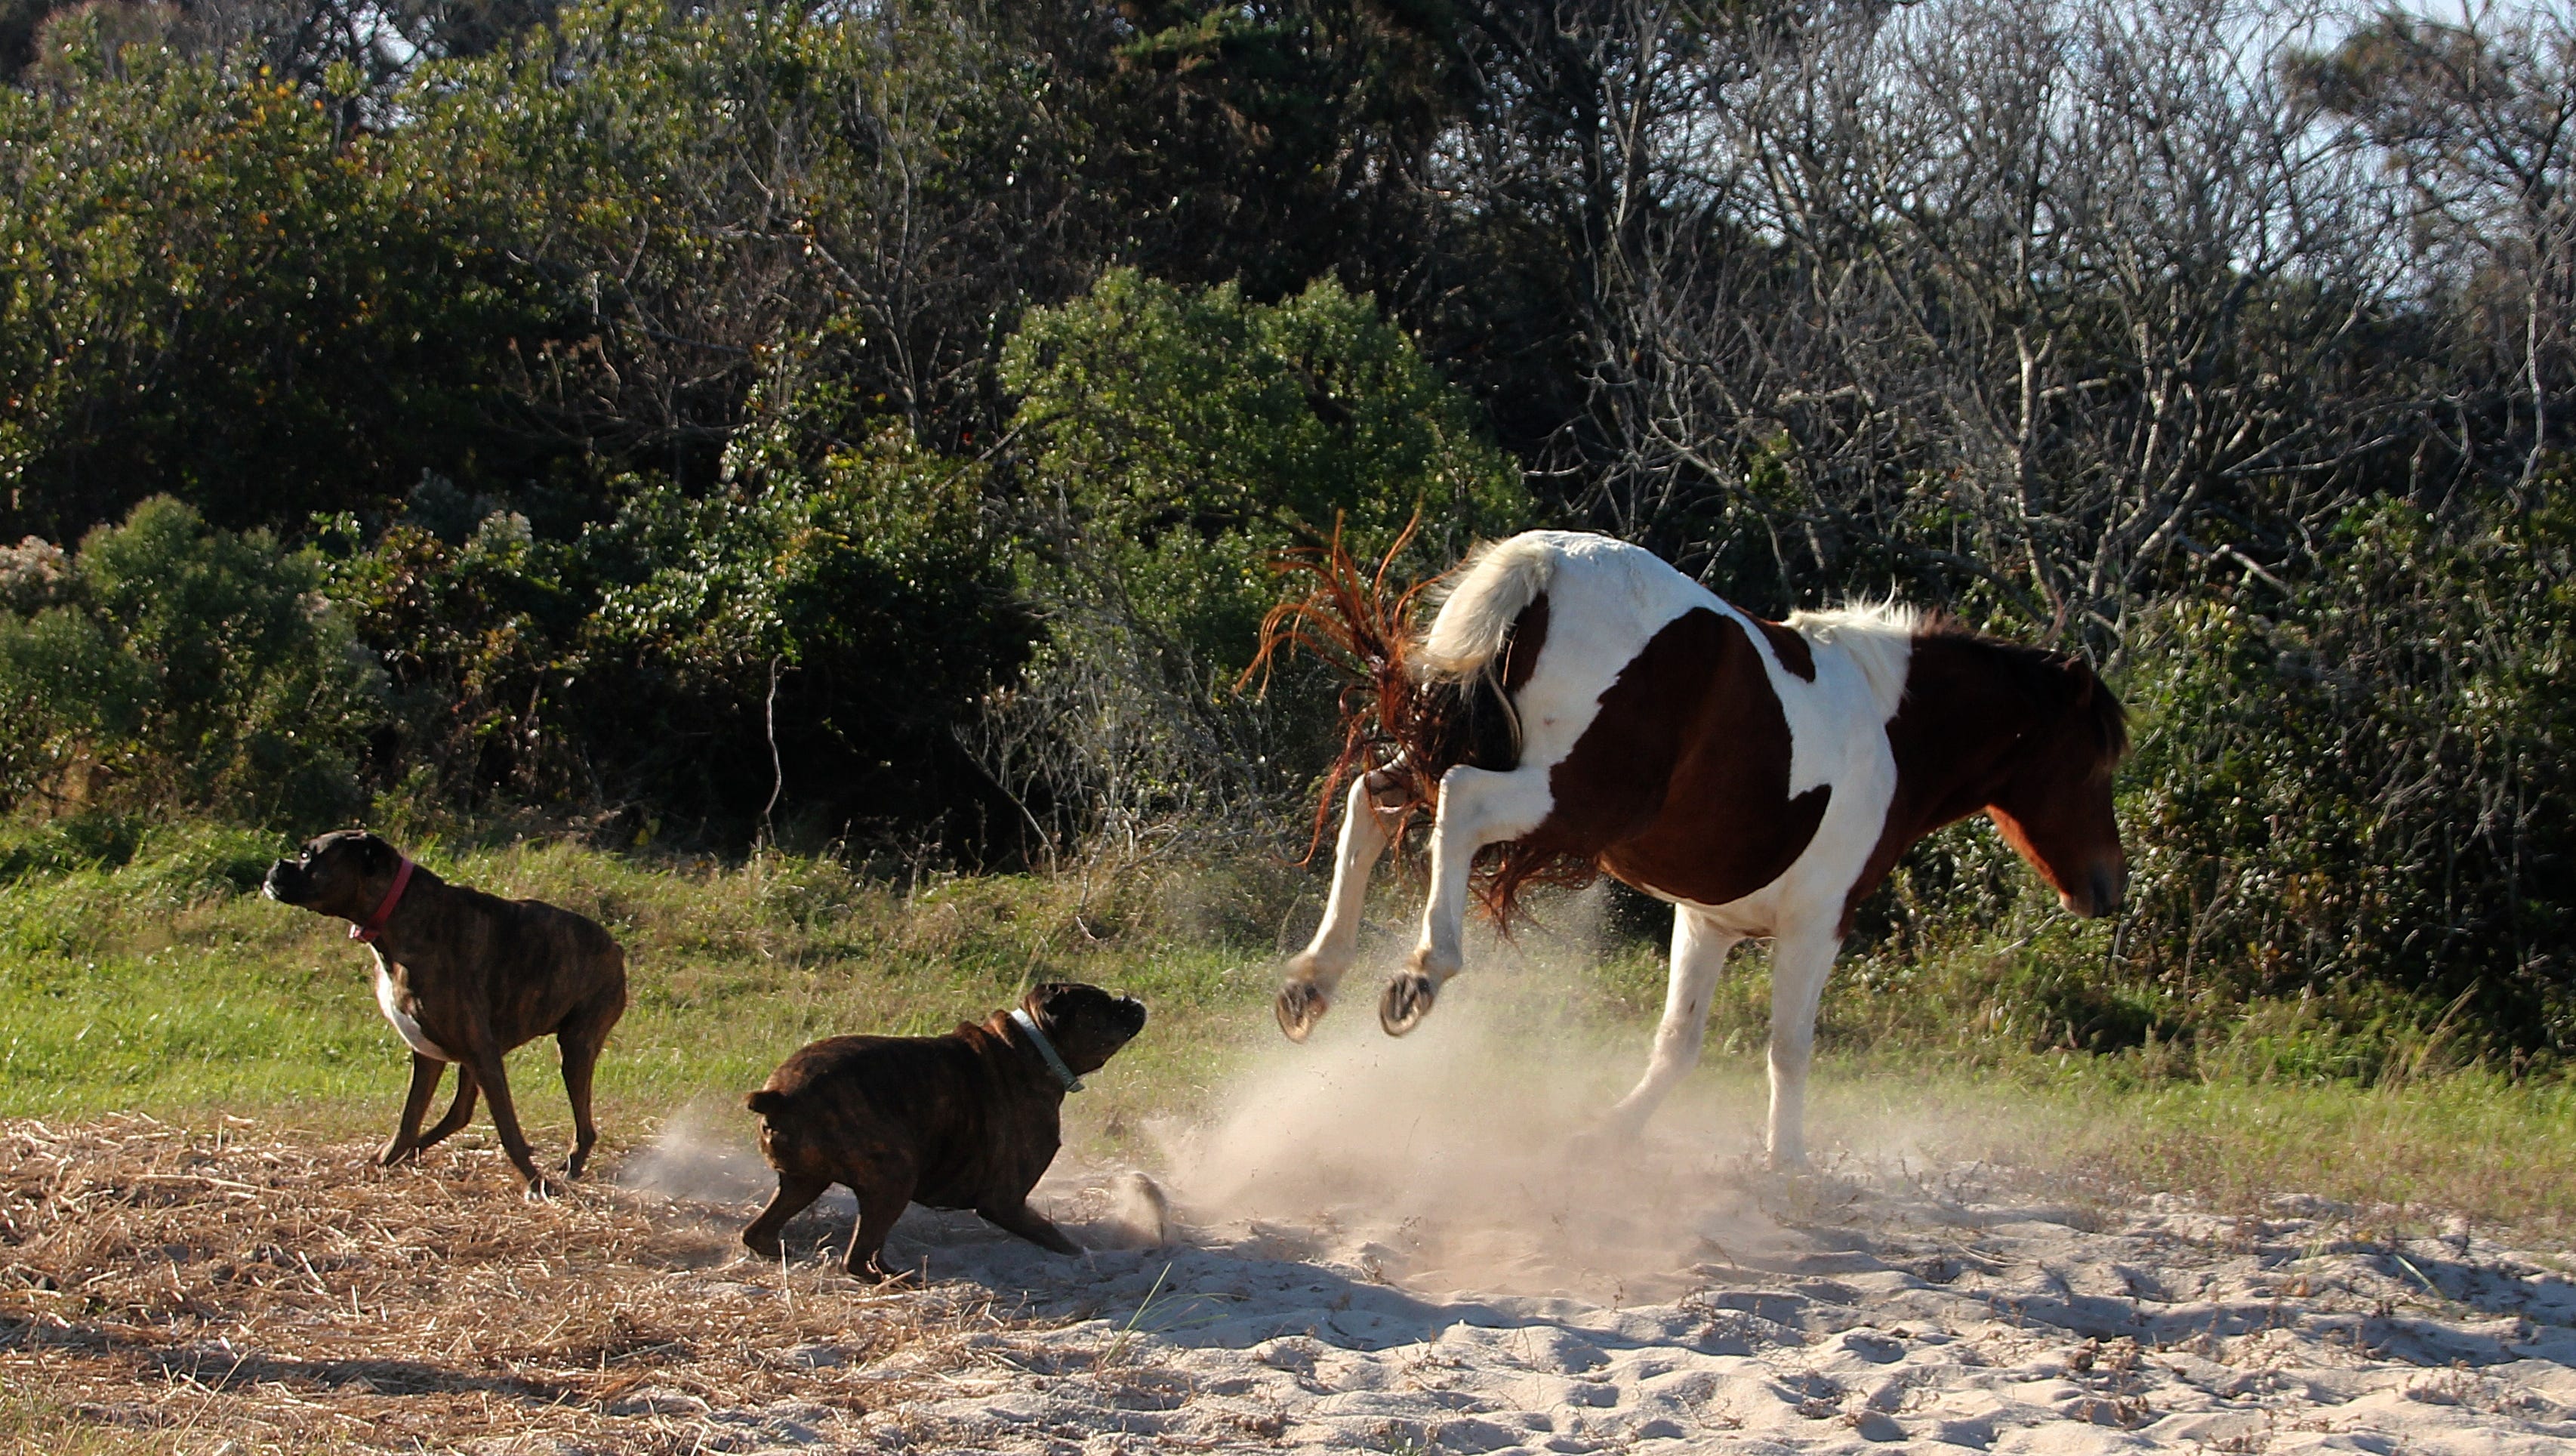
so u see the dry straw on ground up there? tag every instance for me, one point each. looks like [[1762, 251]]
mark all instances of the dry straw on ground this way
[[223, 1289]]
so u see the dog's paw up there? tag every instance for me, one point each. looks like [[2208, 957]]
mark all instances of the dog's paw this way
[[542, 1189], [1407, 1000], [397, 1152], [1300, 1006]]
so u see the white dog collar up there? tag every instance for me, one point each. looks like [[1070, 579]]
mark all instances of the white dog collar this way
[[1046, 1049]]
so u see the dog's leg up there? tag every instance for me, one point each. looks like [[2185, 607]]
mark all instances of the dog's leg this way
[[1316, 972], [882, 1199], [1800, 961], [1477, 807], [459, 1112], [794, 1196], [485, 1059], [424, 1082], [1700, 948], [1031, 1225], [580, 1039]]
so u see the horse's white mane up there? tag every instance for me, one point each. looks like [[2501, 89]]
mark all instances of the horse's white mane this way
[[1878, 637], [1496, 581]]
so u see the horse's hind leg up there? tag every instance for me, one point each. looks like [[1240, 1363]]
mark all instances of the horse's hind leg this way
[[1477, 807], [1800, 961], [1700, 948], [1316, 972]]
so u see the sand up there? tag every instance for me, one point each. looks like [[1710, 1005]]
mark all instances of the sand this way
[[1390, 1246], [1358, 1245], [1893, 1317]]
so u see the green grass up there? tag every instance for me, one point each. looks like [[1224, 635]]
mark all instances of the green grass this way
[[138, 972], [163, 987]]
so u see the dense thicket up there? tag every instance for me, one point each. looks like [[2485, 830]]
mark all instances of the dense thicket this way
[[873, 423]]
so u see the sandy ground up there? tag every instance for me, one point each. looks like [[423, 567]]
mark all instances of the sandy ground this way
[[1364, 1246], [1387, 1247], [1893, 1314]]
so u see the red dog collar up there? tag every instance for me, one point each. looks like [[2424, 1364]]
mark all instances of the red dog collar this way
[[375, 925]]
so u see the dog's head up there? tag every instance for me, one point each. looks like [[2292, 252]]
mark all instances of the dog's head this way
[[345, 873], [1087, 1024]]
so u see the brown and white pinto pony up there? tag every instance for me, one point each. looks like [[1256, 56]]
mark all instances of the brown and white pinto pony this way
[[1761, 777]]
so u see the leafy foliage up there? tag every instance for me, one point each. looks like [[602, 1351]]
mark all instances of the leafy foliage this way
[[1178, 441], [1175, 443], [811, 625], [726, 422], [211, 292], [189, 667], [2366, 783]]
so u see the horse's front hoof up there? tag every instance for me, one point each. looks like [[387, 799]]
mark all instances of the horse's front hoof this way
[[1300, 1006], [1407, 1000], [1604, 1143]]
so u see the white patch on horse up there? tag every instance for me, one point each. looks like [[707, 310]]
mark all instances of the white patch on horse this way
[[1837, 739], [1878, 636], [1603, 608], [1608, 599], [404, 1027]]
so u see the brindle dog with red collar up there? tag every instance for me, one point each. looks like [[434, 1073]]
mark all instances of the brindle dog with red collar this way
[[966, 1120], [464, 977]]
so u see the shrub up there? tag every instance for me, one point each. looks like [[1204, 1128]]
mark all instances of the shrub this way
[[635, 663], [1176, 442], [2367, 781], [210, 289], [189, 668]]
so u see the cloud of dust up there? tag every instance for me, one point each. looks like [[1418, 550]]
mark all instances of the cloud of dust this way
[[707, 1152], [1448, 1159]]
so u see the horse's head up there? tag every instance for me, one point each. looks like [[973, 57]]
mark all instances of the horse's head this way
[[2055, 803]]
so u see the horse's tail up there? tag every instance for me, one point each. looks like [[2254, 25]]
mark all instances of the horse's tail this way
[[1496, 583], [1403, 727], [1416, 708]]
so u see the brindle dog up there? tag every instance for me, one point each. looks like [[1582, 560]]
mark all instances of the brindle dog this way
[[966, 1120], [464, 977]]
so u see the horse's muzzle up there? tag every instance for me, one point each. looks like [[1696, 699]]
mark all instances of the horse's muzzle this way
[[2109, 887]]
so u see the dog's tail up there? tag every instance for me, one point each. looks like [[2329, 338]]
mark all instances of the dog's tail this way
[[766, 1101]]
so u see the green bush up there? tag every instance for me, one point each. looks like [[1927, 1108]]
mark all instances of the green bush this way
[[1174, 444], [2347, 812], [634, 663], [2368, 782], [209, 289], [185, 668], [1178, 441]]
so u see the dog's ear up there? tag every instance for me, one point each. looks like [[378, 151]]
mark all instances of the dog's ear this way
[[1042, 1001], [376, 856]]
